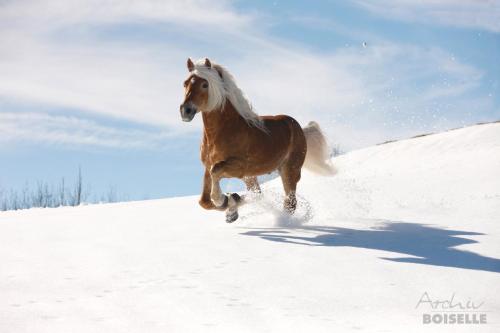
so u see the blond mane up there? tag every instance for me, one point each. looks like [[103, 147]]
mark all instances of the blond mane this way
[[222, 87]]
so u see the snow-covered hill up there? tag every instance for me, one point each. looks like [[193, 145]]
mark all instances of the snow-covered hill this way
[[398, 222]]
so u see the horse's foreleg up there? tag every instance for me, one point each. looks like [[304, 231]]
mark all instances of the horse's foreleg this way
[[218, 199], [216, 195], [228, 168], [205, 199]]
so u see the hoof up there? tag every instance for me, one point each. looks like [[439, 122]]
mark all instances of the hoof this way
[[289, 209], [235, 197], [231, 216], [234, 200], [290, 205]]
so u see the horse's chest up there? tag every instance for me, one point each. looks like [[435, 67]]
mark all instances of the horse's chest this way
[[220, 149]]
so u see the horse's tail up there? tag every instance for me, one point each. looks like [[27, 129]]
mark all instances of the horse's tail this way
[[318, 155]]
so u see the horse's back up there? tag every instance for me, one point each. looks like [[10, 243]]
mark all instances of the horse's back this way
[[286, 126]]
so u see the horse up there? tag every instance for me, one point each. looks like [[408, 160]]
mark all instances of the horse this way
[[238, 143]]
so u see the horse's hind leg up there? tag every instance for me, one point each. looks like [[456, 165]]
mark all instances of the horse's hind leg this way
[[252, 184], [290, 176]]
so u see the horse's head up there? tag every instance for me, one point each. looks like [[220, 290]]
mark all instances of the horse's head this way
[[196, 91]]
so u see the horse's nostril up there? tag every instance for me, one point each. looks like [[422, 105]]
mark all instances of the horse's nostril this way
[[187, 111]]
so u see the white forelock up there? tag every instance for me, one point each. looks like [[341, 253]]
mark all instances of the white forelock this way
[[220, 89]]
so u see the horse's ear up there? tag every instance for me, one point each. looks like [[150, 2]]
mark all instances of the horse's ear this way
[[208, 63], [190, 65]]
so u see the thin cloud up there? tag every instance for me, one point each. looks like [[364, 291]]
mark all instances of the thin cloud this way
[[70, 130], [354, 92], [53, 14], [473, 14]]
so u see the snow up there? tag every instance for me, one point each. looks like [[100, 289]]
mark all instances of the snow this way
[[398, 220]]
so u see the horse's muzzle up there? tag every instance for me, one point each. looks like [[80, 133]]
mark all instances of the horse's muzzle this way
[[188, 111]]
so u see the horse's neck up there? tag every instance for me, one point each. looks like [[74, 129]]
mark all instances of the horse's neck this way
[[215, 120]]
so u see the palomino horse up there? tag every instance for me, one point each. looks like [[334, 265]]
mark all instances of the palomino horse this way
[[237, 143]]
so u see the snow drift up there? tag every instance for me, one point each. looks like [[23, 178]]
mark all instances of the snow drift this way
[[399, 220]]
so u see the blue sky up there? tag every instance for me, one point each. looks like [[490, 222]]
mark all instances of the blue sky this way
[[98, 84]]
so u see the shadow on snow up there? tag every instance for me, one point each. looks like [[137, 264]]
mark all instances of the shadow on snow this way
[[431, 246]]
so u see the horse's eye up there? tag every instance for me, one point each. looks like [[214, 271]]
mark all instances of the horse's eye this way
[[205, 85]]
